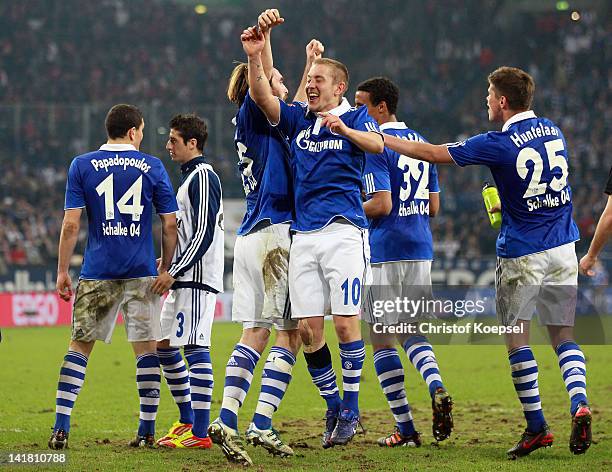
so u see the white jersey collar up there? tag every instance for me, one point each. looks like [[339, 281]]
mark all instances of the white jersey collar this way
[[117, 147], [339, 110], [524, 115], [393, 125]]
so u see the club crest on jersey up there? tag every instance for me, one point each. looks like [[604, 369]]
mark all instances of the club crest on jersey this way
[[303, 142]]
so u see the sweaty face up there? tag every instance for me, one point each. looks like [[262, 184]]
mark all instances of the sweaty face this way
[[363, 99], [321, 92], [279, 89], [494, 105], [177, 148]]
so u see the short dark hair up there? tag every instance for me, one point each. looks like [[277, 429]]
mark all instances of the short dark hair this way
[[381, 89], [120, 119], [191, 126], [515, 84]]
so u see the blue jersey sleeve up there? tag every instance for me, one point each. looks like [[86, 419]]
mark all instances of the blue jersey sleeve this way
[[434, 186], [376, 177], [290, 115], [75, 195], [205, 196], [252, 125], [362, 121], [163, 194], [482, 149]]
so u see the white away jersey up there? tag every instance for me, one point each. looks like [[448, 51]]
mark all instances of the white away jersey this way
[[198, 260]]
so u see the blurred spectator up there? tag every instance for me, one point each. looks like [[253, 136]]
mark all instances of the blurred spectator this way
[[64, 62]]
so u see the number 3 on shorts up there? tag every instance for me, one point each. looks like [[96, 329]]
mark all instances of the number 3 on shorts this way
[[355, 291], [181, 319]]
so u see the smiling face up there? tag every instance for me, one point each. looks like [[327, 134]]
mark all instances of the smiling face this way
[[322, 90]]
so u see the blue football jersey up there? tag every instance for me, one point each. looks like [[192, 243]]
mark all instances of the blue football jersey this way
[[327, 168], [404, 234], [263, 163], [119, 187], [529, 163]]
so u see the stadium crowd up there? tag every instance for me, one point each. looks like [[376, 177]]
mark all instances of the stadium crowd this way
[[167, 56]]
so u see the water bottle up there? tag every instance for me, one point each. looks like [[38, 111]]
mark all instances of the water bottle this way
[[491, 198]]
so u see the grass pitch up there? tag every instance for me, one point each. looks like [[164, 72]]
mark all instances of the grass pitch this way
[[488, 418]]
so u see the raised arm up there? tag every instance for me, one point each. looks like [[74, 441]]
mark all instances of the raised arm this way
[[434, 153], [267, 20], [253, 43], [314, 50]]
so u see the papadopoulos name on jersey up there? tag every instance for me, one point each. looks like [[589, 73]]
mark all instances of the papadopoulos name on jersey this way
[[119, 203], [124, 162]]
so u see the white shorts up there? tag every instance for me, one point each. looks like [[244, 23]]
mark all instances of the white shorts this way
[[187, 317], [261, 262], [97, 304], [409, 280], [545, 282], [328, 269]]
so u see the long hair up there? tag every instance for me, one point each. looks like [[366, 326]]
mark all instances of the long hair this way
[[238, 85]]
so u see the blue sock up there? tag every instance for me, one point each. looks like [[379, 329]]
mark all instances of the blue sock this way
[[238, 377], [390, 374], [573, 368], [71, 378], [352, 356], [421, 354], [525, 378], [323, 376], [148, 380], [274, 382], [201, 379], [177, 378]]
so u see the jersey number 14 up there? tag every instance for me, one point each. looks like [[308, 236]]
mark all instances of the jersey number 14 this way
[[134, 193]]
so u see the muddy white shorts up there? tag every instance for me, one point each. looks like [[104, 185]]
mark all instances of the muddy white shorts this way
[[261, 262], [545, 282], [97, 305], [404, 280]]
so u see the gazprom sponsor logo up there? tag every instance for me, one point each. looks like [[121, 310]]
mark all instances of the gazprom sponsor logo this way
[[303, 142]]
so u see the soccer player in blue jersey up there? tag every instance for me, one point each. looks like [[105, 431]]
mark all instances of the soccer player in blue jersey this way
[[196, 276], [329, 255], [119, 187], [537, 266], [261, 253], [403, 194], [603, 232]]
